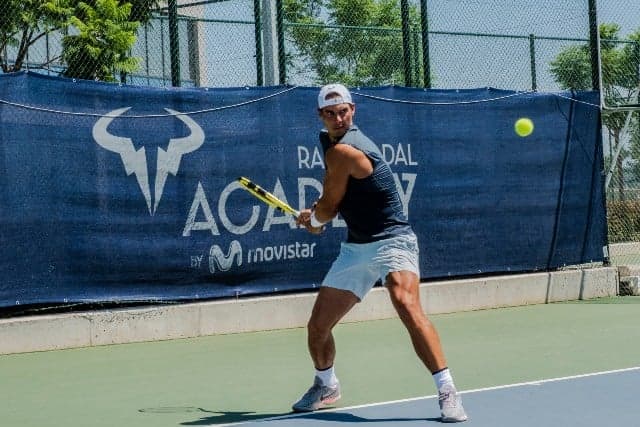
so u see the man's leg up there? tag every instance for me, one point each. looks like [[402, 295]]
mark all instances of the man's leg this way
[[330, 306], [404, 288]]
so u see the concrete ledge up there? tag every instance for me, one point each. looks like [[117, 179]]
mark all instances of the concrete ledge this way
[[619, 249], [68, 330]]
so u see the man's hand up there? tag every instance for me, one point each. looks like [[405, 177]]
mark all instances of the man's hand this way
[[304, 219]]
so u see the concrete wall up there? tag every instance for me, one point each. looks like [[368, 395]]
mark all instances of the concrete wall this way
[[68, 330]]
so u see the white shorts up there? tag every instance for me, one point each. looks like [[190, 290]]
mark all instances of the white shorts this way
[[360, 265]]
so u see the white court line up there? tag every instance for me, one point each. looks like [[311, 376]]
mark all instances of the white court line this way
[[432, 396]]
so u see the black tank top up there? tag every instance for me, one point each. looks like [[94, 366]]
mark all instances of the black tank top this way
[[371, 206]]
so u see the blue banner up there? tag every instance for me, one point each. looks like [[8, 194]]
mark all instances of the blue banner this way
[[119, 193]]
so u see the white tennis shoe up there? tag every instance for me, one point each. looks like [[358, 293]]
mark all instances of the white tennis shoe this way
[[451, 405], [317, 397]]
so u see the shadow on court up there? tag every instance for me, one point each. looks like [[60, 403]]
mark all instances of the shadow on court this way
[[216, 417], [221, 417], [345, 417]]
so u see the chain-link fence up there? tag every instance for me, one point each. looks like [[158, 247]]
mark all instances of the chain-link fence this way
[[512, 44], [620, 83], [508, 44], [543, 45]]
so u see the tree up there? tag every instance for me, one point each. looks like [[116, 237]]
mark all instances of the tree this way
[[24, 22], [104, 37], [359, 44], [620, 62]]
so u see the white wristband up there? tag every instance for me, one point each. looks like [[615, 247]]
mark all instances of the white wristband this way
[[314, 221]]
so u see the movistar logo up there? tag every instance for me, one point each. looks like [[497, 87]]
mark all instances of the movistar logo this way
[[135, 161], [223, 262]]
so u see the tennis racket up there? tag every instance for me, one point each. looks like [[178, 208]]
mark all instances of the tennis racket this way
[[267, 197]]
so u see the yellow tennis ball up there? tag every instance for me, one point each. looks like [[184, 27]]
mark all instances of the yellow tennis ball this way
[[523, 127]]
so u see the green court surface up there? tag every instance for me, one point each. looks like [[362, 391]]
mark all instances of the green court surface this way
[[241, 377]]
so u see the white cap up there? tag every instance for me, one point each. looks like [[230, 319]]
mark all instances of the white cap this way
[[343, 95]]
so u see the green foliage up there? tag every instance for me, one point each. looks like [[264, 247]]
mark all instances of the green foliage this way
[[105, 35], [620, 61], [572, 68], [24, 22], [359, 44], [141, 10]]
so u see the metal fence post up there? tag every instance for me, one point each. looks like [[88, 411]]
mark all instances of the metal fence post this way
[[636, 58], [282, 66], [174, 43], [532, 55], [593, 44], [257, 13], [406, 42], [162, 56], [424, 24]]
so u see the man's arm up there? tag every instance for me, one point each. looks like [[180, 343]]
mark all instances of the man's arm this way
[[342, 161]]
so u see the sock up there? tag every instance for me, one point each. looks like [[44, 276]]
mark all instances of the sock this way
[[327, 376], [443, 377]]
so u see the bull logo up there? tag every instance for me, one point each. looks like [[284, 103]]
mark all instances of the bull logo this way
[[135, 161]]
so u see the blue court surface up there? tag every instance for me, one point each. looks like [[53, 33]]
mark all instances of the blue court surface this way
[[593, 400]]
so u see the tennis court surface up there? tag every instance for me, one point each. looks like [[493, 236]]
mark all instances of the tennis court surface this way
[[558, 364]]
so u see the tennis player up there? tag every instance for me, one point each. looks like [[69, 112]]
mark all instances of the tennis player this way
[[381, 244]]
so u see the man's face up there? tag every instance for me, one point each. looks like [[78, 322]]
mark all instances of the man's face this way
[[337, 118]]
